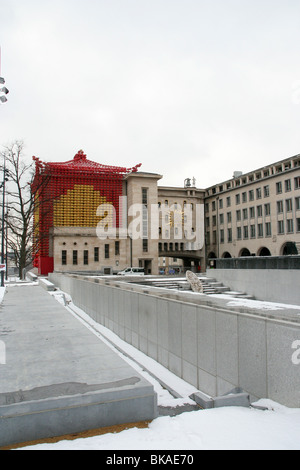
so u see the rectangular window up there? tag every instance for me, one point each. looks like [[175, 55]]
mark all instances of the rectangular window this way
[[229, 217], [290, 226], [280, 227], [244, 197], [239, 233], [252, 213], [238, 215], [96, 254], [258, 193], [251, 195], [298, 225], [259, 211], [297, 182], [75, 257], [117, 248], [222, 236], [246, 232], [245, 214], [267, 209], [229, 233], [64, 257], [260, 230], [106, 251], [237, 199], [145, 245], [297, 200], [288, 186], [279, 207], [266, 191], [85, 257], [268, 229], [279, 188], [253, 231], [289, 205], [144, 196]]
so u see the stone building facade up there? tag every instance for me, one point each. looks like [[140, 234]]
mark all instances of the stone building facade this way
[[255, 214]]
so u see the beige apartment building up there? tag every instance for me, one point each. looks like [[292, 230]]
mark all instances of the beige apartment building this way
[[255, 214]]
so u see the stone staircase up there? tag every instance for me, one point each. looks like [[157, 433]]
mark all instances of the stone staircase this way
[[210, 286]]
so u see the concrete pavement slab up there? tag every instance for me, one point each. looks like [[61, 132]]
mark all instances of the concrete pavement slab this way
[[58, 376]]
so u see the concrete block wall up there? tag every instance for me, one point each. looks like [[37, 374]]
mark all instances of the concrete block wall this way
[[211, 348], [273, 285]]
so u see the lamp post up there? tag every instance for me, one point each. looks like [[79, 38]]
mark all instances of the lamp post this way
[[5, 173]]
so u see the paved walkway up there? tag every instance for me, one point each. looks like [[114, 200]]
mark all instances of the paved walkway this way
[[58, 376]]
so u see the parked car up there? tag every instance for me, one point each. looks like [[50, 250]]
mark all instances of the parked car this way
[[132, 272]]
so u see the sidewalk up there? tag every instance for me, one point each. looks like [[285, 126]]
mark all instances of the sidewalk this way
[[58, 377]]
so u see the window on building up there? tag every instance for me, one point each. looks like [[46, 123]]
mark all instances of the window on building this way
[[145, 196], [279, 207], [85, 257], [244, 197], [279, 187], [246, 232], [75, 257], [221, 219], [239, 233], [297, 182], [298, 225], [145, 245], [251, 195], [106, 251], [64, 257], [297, 201], [259, 211], [229, 235], [288, 186], [268, 229], [252, 231], [266, 191], [258, 193], [260, 230], [237, 199], [214, 205], [222, 236], [267, 209], [280, 227], [221, 203], [238, 215], [228, 201], [289, 205], [252, 212], [117, 248], [290, 225], [96, 254], [229, 218], [245, 214]]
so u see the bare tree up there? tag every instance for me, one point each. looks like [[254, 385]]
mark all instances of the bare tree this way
[[20, 202]]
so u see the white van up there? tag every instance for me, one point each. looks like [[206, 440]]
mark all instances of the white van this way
[[132, 272]]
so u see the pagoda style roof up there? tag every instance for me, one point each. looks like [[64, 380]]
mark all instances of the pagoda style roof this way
[[80, 164]]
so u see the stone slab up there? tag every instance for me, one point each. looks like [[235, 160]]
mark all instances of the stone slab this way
[[58, 377]]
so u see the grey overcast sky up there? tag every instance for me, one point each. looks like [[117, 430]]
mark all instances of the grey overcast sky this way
[[188, 88]]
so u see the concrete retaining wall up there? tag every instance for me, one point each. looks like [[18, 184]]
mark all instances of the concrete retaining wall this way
[[273, 285], [212, 348]]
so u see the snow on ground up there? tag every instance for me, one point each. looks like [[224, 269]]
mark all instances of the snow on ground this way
[[232, 428], [216, 429]]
